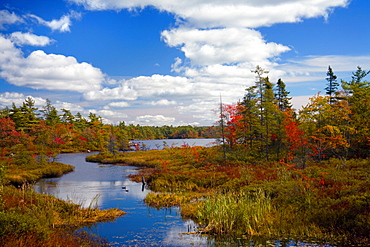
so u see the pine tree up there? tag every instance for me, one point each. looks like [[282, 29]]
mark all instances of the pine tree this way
[[281, 96], [332, 87], [259, 85], [25, 116], [284, 105], [358, 96], [249, 113], [67, 116], [50, 114], [269, 114]]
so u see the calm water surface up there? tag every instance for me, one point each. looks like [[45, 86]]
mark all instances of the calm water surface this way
[[108, 187], [103, 185]]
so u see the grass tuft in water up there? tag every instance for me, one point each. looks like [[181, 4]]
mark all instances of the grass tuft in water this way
[[246, 213]]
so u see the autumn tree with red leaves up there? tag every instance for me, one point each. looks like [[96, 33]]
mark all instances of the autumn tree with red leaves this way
[[265, 126]]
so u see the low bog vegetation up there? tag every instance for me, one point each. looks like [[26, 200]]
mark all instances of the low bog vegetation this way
[[31, 219], [323, 200]]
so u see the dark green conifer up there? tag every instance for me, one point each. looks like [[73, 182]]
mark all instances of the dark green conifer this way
[[281, 96], [332, 87]]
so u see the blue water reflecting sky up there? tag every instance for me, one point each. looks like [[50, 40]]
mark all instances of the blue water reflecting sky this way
[[141, 226]]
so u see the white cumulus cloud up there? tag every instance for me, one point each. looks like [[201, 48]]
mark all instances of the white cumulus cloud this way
[[68, 106], [21, 39], [46, 71], [155, 120], [232, 13], [122, 92], [162, 102], [119, 104], [163, 86], [220, 46], [7, 18], [314, 68], [108, 113], [61, 25], [8, 98]]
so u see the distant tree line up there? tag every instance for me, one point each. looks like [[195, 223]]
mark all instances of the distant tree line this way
[[49, 131]]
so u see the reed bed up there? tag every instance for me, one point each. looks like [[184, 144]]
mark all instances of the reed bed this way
[[237, 212], [323, 200], [35, 218]]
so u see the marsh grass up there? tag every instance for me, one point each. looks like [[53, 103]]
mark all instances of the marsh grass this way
[[58, 238], [160, 200], [325, 200], [34, 218], [237, 212], [19, 175], [51, 211]]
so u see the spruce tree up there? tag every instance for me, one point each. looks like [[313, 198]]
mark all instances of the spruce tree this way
[[281, 96], [51, 115], [260, 89], [284, 105], [332, 87], [269, 114], [25, 116], [249, 112], [358, 96]]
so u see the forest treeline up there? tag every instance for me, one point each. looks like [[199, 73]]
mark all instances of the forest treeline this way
[[47, 130], [264, 126]]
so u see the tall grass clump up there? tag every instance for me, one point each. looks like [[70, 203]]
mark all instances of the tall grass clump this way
[[36, 218], [236, 212]]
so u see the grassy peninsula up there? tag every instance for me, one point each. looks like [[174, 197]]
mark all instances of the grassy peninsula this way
[[32, 219]]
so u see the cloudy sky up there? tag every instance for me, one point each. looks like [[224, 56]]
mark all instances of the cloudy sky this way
[[166, 62]]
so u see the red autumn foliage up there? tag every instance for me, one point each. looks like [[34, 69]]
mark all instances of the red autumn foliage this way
[[58, 141], [295, 136], [8, 135], [232, 120], [83, 139]]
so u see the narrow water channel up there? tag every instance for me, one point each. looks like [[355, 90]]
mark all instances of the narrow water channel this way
[[107, 186]]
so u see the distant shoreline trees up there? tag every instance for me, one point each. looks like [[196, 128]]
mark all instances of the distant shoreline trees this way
[[49, 131]]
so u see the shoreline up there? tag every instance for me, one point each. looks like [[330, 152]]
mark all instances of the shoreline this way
[[37, 219]]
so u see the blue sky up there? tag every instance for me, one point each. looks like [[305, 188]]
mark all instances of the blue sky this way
[[167, 62]]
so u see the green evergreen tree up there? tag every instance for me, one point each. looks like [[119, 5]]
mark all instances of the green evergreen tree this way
[[80, 122], [250, 119], [358, 96], [284, 105], [67, 116], [332, 87], [51, 115], [259, 85], [25, 116], [4, 112], [281, 96], [270, 116]]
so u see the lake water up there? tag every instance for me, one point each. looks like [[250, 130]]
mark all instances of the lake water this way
[[160, 144], [142, 225], [108, 187]]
